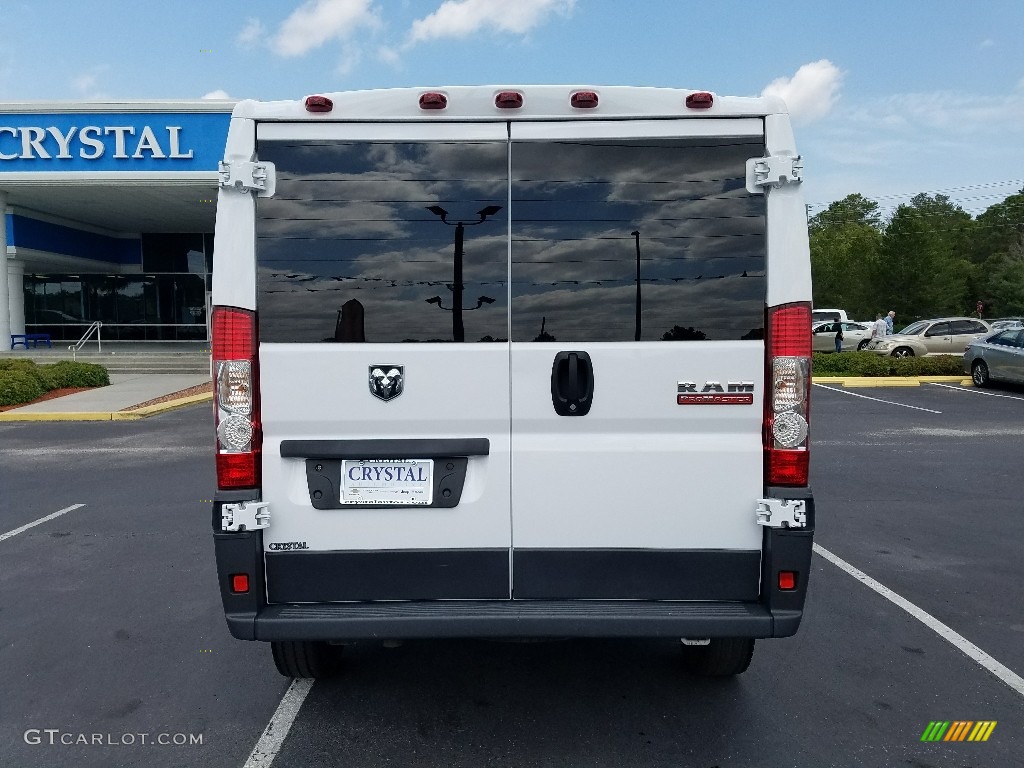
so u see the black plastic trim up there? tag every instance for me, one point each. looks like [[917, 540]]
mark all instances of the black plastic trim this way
[[438, 574], [787, 549], [513, 618], [240, 553], [385, 449], [636, 574]]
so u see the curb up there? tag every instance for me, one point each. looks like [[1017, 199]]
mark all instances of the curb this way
[[891, 381], [136, 415]]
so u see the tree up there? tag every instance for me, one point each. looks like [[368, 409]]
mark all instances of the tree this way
[[845, 241], [924, 270]]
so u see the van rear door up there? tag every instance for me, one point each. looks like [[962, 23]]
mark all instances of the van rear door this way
[[638, 292], [383, 361]]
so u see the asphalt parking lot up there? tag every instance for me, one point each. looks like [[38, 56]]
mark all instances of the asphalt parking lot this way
[[111, 623]]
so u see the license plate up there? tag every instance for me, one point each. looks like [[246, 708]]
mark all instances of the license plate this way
[[387, 481]]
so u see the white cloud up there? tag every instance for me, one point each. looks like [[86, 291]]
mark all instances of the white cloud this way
[[461, 18], [87, 84], [987, 43], [218, 94], [252, 33], [811, 92], [317, 22], [388, 55]]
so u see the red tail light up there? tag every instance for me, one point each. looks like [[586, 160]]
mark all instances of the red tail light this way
[[236, 398], [787, 394]]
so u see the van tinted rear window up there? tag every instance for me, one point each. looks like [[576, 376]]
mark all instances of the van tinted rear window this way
[[599, 227], [362, 241]]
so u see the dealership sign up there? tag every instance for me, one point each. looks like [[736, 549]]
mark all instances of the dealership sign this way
[[109, 141]]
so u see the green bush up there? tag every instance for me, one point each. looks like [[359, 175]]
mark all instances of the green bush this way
[[71, 374], [870, 364], [19, 386], [14, 364], [23, 380], [29, 368]]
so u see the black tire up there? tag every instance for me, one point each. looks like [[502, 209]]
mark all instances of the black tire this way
[[979, 373], [722, 657], [305, 659], [903, 352], [863, 345]]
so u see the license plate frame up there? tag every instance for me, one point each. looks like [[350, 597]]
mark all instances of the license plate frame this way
[[374, 482]]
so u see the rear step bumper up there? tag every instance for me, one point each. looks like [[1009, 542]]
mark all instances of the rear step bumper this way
[[513, 618]]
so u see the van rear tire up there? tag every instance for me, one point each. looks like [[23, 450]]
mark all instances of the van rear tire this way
[[298, 658], [722, 657]]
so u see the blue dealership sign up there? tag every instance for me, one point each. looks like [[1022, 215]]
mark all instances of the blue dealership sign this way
[[112, 141]]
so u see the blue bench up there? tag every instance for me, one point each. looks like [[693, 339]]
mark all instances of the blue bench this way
[[24, 338]]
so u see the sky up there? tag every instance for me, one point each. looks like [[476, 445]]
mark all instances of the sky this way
[[890, 98]]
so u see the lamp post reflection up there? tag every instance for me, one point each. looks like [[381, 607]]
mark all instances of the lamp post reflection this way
[[458, 331], [636, 237]]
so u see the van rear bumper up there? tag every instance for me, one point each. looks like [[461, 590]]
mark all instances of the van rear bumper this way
[[773, 612], [513, 618]]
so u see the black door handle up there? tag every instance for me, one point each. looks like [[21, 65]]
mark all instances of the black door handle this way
[[572, 383]]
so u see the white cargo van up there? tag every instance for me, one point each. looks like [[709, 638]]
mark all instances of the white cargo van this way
[[512, 362]]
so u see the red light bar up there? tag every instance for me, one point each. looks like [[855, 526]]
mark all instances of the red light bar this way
[[584, 100], [508, 100], [433, 101], [319, 104], [700, 100]]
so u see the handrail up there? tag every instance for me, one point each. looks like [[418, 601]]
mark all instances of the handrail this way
[[85, 337]]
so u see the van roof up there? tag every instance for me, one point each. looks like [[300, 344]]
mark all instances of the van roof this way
[[539, 102]]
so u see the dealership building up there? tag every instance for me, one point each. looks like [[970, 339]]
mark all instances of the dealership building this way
[[109, 212]]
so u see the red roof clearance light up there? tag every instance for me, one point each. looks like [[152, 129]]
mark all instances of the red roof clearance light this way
[[700, 100], [319, 104], [508, 100], [584, 100], [433, 101]]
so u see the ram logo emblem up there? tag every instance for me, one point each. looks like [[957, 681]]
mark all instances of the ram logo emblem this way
[[387, 381]]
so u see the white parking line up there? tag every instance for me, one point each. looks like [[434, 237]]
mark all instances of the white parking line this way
[[876, 399], [40, 521], [274, 734], [1004, 673], [974, 391]]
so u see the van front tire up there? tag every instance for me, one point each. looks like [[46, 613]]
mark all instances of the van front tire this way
[[722, 657], [305, 659]]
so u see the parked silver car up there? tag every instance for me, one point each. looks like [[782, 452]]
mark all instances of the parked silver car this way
[[998, 357], [855, 336], [942, 336]]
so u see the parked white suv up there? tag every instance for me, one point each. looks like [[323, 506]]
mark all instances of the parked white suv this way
[[492, 362]]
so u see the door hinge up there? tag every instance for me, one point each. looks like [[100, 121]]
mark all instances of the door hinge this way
[[247, 516], [248, 177], [782, 513], [774, 171]]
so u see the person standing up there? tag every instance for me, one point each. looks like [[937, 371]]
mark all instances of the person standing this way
[[839, 337], [889, 319], [878, 329]]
